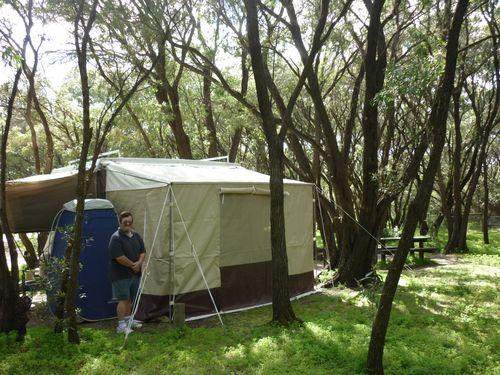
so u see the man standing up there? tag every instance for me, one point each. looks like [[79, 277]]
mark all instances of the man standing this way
[[126, 251]]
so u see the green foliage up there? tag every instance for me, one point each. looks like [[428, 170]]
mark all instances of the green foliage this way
[[443, 322], [413, 79], [10, 56], [325, 276]]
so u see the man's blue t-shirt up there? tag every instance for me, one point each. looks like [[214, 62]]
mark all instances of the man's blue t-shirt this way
[[121, 244]]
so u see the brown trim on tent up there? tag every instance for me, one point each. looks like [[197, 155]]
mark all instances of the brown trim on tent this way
[[243, 285]]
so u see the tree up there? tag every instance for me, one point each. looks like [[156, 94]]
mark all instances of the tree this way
[[264, 85], [13, 308], [29, 50], [437, 122], [475, 105], [84, 16], [364, 189]]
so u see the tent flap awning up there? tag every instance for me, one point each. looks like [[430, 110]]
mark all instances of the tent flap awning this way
[[32, 203]]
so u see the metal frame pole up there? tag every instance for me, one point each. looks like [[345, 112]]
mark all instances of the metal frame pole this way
[[171, 254]]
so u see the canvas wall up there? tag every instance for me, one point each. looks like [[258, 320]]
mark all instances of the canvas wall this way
[[226, 230]]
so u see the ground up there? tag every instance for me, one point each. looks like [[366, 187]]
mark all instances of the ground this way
[[445, 321]]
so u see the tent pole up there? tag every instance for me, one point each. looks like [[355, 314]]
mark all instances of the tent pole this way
[[145, 274], [171, 254], [195, 256], [145, 226]]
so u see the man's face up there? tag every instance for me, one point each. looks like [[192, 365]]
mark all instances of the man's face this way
[[126, 223]]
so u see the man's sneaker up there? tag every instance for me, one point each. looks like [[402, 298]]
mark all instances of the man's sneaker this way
[[122, 328], [136, 324]]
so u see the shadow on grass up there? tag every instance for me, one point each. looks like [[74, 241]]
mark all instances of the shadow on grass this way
[[443, 321], [333, 339]]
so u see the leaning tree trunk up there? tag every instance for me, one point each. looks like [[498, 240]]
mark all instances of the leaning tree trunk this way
[[30, 255], [437, 122], [236, 138]]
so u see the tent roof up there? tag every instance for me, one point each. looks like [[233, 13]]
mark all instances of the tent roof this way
[[56, 174], [90, 204], [33, 201], [165, 171], [185, 171]]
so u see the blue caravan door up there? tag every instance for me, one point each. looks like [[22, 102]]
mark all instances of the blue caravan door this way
[[94, 292]]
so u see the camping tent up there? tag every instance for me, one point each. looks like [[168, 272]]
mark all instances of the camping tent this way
[[205, 225]]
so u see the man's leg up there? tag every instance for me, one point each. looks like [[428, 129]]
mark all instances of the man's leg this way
[[121, 292], [123, 309], [134, 289], [127, 308]]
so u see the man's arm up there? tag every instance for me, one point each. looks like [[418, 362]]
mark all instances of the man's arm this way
[[124, 261], [142, 253], [140, 262], [116, 252]]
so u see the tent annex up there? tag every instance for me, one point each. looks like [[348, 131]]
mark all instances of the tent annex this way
[[219, 210]]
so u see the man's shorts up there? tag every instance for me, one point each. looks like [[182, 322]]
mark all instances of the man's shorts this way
[[125, 289]]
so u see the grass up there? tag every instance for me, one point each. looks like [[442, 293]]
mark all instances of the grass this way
[[445, 321]]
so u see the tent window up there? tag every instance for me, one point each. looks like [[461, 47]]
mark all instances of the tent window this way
[[245, 229]]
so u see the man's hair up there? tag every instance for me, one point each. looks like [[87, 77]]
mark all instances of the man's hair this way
[[123, 215]]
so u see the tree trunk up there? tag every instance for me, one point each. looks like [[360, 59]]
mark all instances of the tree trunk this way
[[282, 308], [81, 187], [236, 138], [49, 153], [486, 203], [30, 255], [141, 130], [437, 224], [74, 266], [437, 122], [453, 240], [168, 95], [61, 296], [209, 115], [29, 121], [235, 144], [326, 227], [358, 266], [177, 125], [13, 308], [347, 229]]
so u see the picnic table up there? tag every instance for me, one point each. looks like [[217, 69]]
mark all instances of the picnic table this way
[[421, 248]]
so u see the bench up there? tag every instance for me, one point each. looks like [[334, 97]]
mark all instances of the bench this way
[[392, 249]]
